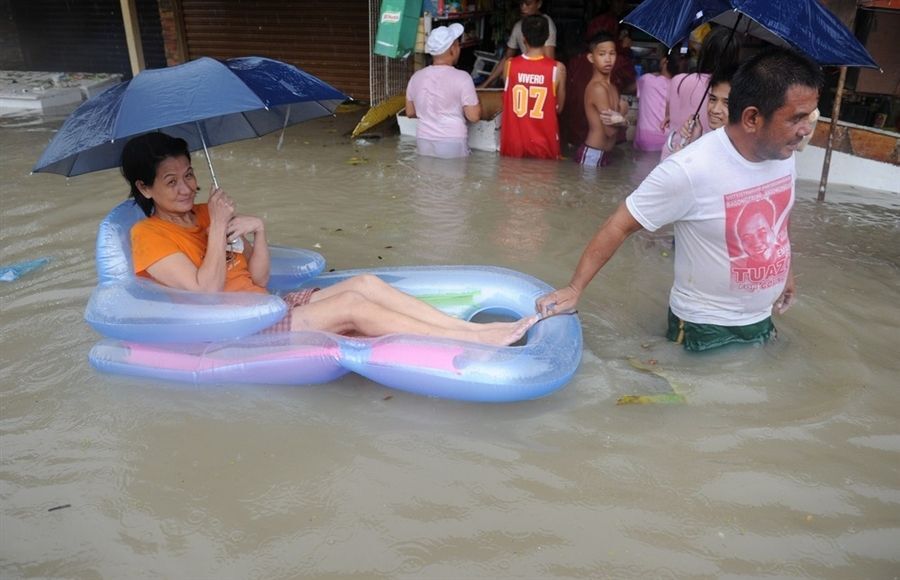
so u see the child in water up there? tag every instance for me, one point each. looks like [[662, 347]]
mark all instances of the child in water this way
[[604, 108]]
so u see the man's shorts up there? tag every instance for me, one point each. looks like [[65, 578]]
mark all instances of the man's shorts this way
[[590, 157], [698, 337]]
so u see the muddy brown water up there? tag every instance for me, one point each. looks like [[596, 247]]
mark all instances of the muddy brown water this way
[[784, 461]]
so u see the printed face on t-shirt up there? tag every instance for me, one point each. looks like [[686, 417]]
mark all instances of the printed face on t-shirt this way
[[757, 237]]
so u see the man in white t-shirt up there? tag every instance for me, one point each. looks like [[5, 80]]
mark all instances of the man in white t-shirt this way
[[443, 98], [731, 185], [515, 44]]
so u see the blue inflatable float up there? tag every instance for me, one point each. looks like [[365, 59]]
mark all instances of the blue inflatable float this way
[[170, 334]]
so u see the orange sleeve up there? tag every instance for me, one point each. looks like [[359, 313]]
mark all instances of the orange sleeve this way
[[150, 245]]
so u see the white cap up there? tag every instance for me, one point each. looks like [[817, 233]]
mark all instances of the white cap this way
[[442, 37]]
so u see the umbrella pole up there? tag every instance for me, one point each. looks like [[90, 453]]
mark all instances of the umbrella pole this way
[[208, 160], [829, 145]]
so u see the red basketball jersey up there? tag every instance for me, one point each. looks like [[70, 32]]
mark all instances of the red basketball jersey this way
[[529, 125]]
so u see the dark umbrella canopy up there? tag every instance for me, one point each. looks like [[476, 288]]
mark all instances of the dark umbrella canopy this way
[[204, 100], [806, 25]]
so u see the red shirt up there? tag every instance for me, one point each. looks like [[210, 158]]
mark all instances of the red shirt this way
[[529, 125]]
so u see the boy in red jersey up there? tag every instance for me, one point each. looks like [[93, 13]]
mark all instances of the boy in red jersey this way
[[602, 106], [532, 97]]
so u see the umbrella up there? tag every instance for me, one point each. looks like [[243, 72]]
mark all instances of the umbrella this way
[[805, 25], [205, 101]]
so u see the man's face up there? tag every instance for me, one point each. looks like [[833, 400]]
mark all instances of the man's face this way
[[717, 106], [603, 57], [780, 135], [529, 7]]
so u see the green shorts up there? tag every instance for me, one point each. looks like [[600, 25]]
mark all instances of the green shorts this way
[[698, 337]]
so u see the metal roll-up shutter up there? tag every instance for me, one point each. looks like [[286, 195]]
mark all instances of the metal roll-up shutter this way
[[83, 36], [329, 39]]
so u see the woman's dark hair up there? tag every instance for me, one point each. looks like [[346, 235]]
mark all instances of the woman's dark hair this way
[[674, 62], [141, 158], [719, 51], [723, 75], [764, 80]]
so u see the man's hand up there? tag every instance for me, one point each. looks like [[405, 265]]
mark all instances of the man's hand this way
[[613, 118], [558, 302], [788, 296]]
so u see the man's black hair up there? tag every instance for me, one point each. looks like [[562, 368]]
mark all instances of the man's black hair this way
[[764, 80], [602, 36], [535, 30]]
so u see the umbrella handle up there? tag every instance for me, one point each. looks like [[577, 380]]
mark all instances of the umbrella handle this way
[[212, 172]]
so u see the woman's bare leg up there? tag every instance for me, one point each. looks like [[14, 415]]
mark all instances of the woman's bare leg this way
[[352, 312], [383, 294]]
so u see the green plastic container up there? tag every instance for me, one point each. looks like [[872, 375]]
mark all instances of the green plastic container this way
[[397, 26]]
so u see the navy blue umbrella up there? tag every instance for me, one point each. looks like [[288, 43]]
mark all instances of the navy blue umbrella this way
[[205, 101], [806, 25]]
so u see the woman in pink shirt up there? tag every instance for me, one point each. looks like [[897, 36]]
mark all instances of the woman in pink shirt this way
[[652, 92], [687, 92], [443, 98]]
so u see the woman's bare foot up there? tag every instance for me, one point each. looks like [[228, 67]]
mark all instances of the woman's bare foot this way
[[505, 333]]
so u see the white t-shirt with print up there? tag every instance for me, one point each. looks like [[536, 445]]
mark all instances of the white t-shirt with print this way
[[732, 252]]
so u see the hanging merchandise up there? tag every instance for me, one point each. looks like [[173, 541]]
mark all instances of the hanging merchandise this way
[[397, 26]]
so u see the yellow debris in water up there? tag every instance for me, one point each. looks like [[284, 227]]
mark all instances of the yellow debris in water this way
[[380, 113], [652, 366]]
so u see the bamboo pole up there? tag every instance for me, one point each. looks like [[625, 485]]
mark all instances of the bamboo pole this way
[[835, 113], [133, 36]]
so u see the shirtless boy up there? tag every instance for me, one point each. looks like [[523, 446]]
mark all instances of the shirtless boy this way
[[604, 110]]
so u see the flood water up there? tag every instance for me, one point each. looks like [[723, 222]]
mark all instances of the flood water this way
[[783, 461]]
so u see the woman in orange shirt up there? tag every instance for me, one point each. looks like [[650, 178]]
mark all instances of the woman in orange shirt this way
[[211, 248]]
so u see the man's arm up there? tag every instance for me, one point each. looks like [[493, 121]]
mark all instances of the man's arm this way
[[560, 87], [498, 69], [599, 250], [550, 51], [410, 109], [598, 99]]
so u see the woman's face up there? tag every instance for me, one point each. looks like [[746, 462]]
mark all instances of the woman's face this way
[[174, 188], [717, 106]]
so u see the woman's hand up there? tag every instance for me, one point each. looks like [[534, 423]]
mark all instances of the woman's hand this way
[[241, 225], [690, 130], [221, 207], [257, 253]]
